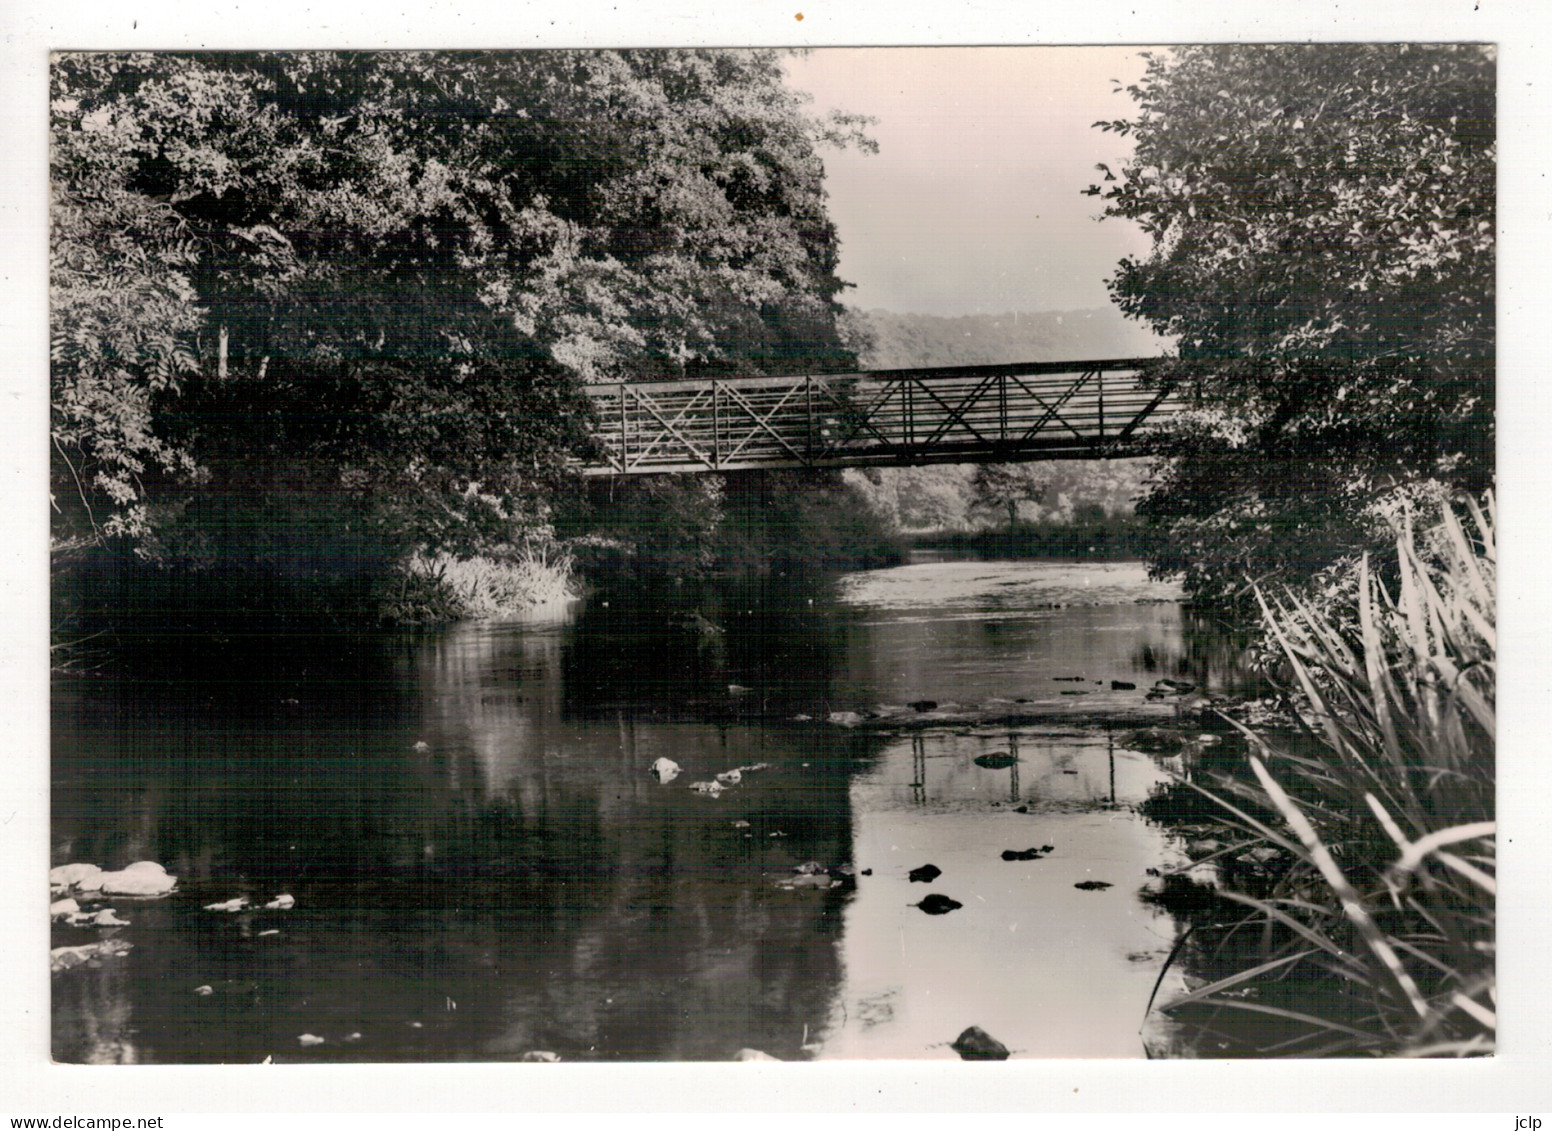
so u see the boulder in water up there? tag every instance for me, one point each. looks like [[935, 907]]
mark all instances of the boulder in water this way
[[925, 874], [664, 769], [936, 904], [65, 957], [753, 1054], [1092, 885], [72, 875], [540, 1056], [999, 761], [142, 878], [975, 1043], [1026, 854]]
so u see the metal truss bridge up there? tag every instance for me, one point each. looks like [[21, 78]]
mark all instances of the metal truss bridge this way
[[882, 418]]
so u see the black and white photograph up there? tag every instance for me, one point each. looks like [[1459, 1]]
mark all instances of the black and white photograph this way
[[690, 554]]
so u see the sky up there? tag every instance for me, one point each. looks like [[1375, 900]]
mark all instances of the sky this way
[[973, 203]]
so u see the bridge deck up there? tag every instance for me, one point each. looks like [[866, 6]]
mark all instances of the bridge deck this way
[[984, 413]]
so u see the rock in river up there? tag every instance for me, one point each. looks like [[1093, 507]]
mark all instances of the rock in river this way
[[998, 761], [143, 878], [72, 875], [1092, 885], [936, 904], [64, 957], [664, 769], [975, 1043], [1026, 854], [925, 874]]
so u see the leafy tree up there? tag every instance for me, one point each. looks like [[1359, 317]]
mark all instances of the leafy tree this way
[[312, 308], [1005, 486], [1322, 220]]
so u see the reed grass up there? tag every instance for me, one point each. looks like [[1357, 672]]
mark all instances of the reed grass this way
[[1386, 916]]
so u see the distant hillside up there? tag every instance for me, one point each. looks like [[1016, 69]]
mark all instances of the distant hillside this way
[[908, 341], [945, 497]]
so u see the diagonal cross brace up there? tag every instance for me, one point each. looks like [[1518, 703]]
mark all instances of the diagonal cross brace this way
[[761, 422], [1051, 410], [966, 403], [669, 428]]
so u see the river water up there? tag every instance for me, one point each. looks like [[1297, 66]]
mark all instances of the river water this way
[[482, 866]]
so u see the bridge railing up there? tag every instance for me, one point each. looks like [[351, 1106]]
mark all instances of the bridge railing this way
[[1085, 409]]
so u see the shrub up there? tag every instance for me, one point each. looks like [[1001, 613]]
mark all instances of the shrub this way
[[437, 588]]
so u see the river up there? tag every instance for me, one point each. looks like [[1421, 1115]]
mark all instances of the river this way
[[481, 867]]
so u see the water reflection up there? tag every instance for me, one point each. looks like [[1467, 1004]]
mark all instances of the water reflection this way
[[1050, 969], [482, 867]]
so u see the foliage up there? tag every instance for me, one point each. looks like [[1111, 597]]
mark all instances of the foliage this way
[[1388, 910], [753, 524], [1322, 220], [1002, 487], [1087, 535], [338, 304]]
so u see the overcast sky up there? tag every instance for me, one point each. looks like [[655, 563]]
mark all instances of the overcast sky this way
[[973, 203]]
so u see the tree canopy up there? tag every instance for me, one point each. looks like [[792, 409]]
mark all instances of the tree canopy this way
[[353, 295], [1323, 220]]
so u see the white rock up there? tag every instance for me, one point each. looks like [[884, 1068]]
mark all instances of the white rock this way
[[540, 1056], [108, 917], [144, 877], [71, 875], [236, 903], [665, 769], [63, 908], [64, 957], [753, 1054], [204, 991], [281, 902], [710, 788], [844, 718], [307, 1039], [730, 777]]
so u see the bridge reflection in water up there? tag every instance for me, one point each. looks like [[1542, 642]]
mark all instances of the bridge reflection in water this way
[[897, 417]]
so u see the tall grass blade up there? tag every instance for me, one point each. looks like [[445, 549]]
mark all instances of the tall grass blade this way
[[1352, 903]]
